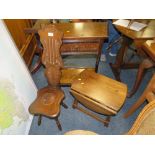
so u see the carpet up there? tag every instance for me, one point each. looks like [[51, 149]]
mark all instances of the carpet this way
[[72, 119]]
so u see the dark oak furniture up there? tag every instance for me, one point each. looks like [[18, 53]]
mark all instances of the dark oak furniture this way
[[138, 37], [98, 93], [79, 38], [50, 98]]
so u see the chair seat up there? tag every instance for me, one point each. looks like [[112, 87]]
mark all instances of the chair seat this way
[[47, 102], [99, 93]]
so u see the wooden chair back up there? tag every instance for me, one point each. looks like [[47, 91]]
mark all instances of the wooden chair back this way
[[51, 38]]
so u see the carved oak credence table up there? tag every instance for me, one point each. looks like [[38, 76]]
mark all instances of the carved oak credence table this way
[[138, 38], [78, 39]]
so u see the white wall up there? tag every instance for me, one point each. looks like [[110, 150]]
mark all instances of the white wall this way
[[13, 68]]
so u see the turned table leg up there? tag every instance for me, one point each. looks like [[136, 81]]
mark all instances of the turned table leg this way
[[146, 64], [99, 55]]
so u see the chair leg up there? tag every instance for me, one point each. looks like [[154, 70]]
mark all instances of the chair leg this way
[[64, 105], [39, 120], [58, 124], [116, 67], [107, 121]]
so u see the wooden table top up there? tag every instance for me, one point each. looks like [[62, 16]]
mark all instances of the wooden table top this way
[[146, 33], [77, 30], [102, 89], [149, 47]]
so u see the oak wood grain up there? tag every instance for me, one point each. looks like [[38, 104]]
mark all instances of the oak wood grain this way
[[101, 89], [149, 47]]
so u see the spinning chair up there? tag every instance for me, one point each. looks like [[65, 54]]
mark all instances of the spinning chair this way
[[50, 98]]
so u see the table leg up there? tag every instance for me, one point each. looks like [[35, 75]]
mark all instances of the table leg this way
[[116, 67], [145, 64], [99, 55], [107, 121]]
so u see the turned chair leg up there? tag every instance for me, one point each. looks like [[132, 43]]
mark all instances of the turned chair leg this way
[[39, 120], [58, 124], [64, 105]]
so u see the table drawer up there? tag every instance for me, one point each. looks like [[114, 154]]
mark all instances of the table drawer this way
[[80, 47]]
